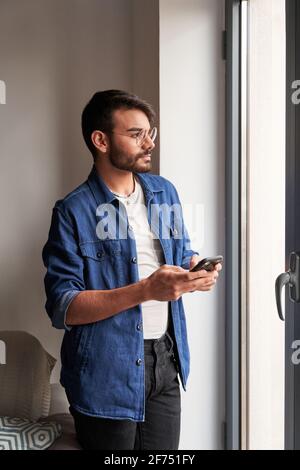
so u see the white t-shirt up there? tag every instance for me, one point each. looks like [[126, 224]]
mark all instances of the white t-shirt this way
[[149, 258]]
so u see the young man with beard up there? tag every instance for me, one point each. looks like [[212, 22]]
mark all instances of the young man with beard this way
[[117, 266]]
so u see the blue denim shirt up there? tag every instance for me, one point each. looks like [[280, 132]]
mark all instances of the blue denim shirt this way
[[102, 362]]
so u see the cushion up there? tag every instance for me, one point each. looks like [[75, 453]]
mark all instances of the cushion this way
[[22, 434], [25, 377]]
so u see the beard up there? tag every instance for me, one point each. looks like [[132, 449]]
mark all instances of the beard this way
[[129, 162]]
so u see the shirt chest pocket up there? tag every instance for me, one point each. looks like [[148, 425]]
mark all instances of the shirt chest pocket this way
[[101, 250], [103, 264]]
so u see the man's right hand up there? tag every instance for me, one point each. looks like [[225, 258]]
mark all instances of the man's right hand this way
[[170, 282]]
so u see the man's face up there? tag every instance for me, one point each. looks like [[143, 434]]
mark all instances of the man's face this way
[[124, 152]]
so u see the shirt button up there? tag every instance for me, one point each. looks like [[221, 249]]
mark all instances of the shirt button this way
[[133, 260], [99, 254], [130, 227], [138, 362], [139, 326]]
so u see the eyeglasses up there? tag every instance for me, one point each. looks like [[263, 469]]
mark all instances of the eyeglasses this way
[[141, 135]]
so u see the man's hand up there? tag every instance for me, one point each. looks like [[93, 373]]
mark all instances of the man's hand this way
[[212, 275], [170, 282], [166, 283]]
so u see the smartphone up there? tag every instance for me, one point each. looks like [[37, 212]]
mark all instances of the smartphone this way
[[207, 263]]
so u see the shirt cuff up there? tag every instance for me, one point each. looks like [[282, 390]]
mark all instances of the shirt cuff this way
[[60, 310]]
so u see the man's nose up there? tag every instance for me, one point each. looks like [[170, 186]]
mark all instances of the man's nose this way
[[148, 143]]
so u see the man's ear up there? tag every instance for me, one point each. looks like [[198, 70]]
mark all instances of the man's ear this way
[[100, 141]]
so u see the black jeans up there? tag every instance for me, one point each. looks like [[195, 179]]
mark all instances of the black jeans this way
[[161, 428]]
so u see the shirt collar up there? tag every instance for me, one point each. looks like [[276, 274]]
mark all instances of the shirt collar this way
[[103, 194]]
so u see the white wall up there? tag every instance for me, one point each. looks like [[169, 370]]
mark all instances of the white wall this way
[[266, 222], [192, 156]]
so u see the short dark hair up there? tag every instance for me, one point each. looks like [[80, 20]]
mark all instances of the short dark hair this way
[[97, 114]]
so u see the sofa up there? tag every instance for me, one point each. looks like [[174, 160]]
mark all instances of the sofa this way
[[34, 413]]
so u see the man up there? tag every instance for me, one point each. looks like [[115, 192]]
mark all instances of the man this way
[[117, 266]]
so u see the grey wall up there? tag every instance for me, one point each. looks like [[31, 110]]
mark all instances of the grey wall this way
[[145, 66], [54, 55]]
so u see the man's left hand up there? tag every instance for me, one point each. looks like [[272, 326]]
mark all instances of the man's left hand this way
[[211, 275]]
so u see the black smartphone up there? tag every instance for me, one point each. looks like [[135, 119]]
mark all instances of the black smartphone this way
[[207, 263]]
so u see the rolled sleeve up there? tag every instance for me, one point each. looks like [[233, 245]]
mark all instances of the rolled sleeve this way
[[60, 310], [64, 278]]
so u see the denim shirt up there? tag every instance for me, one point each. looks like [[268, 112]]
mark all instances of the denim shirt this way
[[103, 362]]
